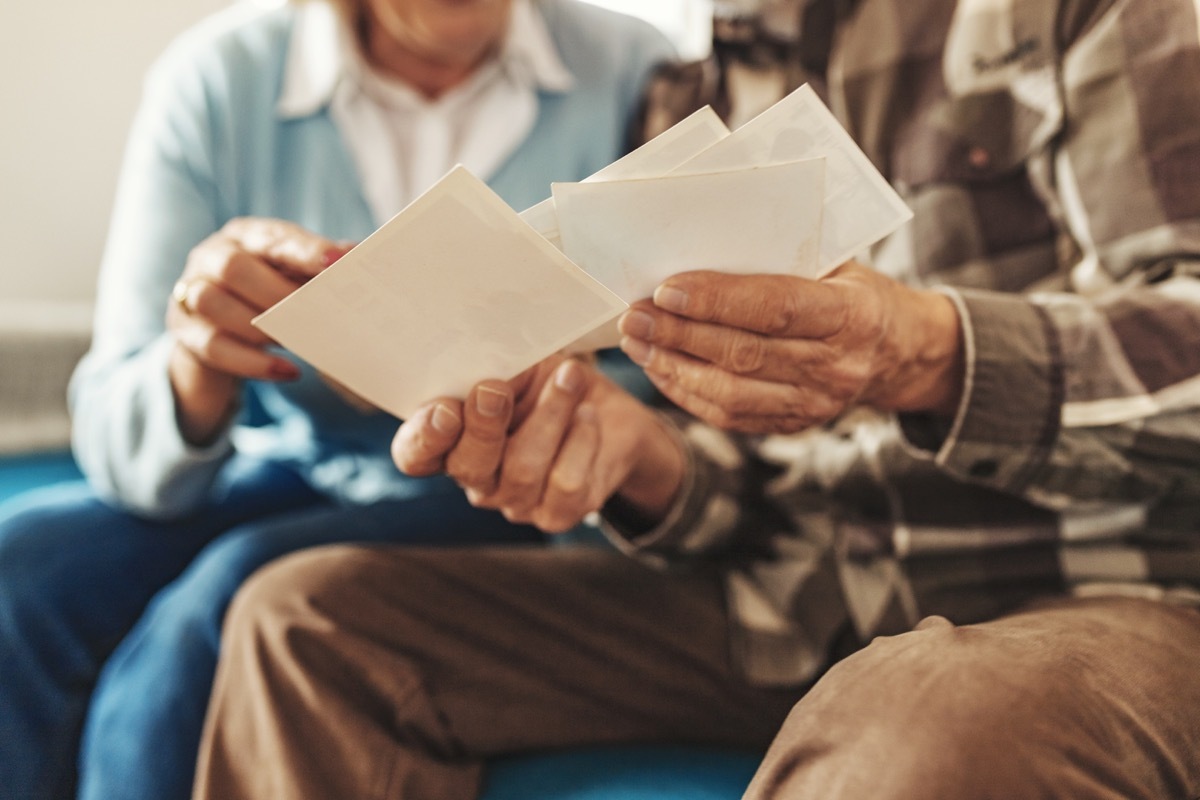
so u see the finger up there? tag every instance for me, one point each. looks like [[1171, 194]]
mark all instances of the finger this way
[[475, 462], [226, 263], [224, 353], [838, 368], [423, 441], [532, 449], [286, 246], [222, 310], [527, 386], [736, 350], [708, 411], [736, 402], [568, 486], [775, 305]]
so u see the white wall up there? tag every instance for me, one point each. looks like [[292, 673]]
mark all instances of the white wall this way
[[70, 76]]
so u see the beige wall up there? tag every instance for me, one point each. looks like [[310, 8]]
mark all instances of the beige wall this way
[[70, 76]]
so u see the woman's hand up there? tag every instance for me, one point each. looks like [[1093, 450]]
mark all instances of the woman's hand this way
[[231, 277], [778, 354], [547, 448]]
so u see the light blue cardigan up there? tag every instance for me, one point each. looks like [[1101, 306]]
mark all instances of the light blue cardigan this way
[[208, 145]]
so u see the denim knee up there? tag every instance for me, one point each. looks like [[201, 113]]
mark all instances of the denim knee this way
[[39, 574]]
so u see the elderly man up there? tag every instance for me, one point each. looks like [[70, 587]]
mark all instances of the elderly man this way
[[931, 527]]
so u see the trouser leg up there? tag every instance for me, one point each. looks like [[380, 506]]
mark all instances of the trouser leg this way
[[391, 672], [74, 575], [147, 710], [1078, 699]]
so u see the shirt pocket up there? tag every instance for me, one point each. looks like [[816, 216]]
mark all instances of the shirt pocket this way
[[979, 138]]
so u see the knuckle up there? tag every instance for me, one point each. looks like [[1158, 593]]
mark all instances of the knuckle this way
[[468, 472], [201, 298], [726, 393], [490, 434], [780, 312], [805, 409], [875, 324], [466, 476], [746, 353], [204, 343], [233, 268], [863, 320], [237, 226], [844, 318], [858, 372], [567, 482], [521, 476], [845, 380]]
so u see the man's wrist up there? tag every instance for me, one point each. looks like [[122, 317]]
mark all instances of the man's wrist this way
[[925, 367], [651, 488]]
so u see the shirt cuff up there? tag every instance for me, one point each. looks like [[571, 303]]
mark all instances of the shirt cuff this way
[[622, 529], [1010, 413]]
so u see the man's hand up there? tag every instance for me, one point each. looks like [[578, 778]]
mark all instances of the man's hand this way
[[546, 448], [776, 353]]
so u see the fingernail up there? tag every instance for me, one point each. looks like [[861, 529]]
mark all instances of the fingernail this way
[[489, 402], [568, 377], [444, 420], [637, 324], [332, 254], [637, 350], [285, 371], [668, 298]]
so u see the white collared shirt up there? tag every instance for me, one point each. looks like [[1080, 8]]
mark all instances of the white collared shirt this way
[[400, 141]]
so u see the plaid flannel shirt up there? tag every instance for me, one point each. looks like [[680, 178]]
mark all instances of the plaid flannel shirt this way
[[1050, 150]]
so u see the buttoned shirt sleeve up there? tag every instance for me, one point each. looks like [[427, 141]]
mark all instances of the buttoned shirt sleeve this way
[[721, 507], [1095, 395], [1073, 462]]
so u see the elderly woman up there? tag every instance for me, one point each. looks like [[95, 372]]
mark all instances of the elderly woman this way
[[269, 139]]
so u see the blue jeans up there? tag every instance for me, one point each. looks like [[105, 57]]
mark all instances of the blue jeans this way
[[114, 619]]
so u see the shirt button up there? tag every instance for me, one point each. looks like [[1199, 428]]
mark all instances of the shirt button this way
[[979, 157]]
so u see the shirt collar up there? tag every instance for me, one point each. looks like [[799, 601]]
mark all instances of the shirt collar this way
[[323, 52]]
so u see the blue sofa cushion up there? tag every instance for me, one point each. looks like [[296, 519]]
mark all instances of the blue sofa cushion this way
[[19, 473], [623, 773]]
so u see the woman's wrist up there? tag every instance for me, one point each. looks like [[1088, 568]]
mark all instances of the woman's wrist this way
[[205, 399]]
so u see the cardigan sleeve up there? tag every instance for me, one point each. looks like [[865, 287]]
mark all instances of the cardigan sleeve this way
[[125, 435]]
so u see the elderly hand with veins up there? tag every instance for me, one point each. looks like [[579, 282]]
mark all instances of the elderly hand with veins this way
[[547, 448], [779, 353], [231, 277]]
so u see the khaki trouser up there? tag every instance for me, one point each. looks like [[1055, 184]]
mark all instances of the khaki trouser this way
[[393, 672]]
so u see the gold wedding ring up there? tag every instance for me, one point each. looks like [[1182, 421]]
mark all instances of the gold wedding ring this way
[[181, 293]]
